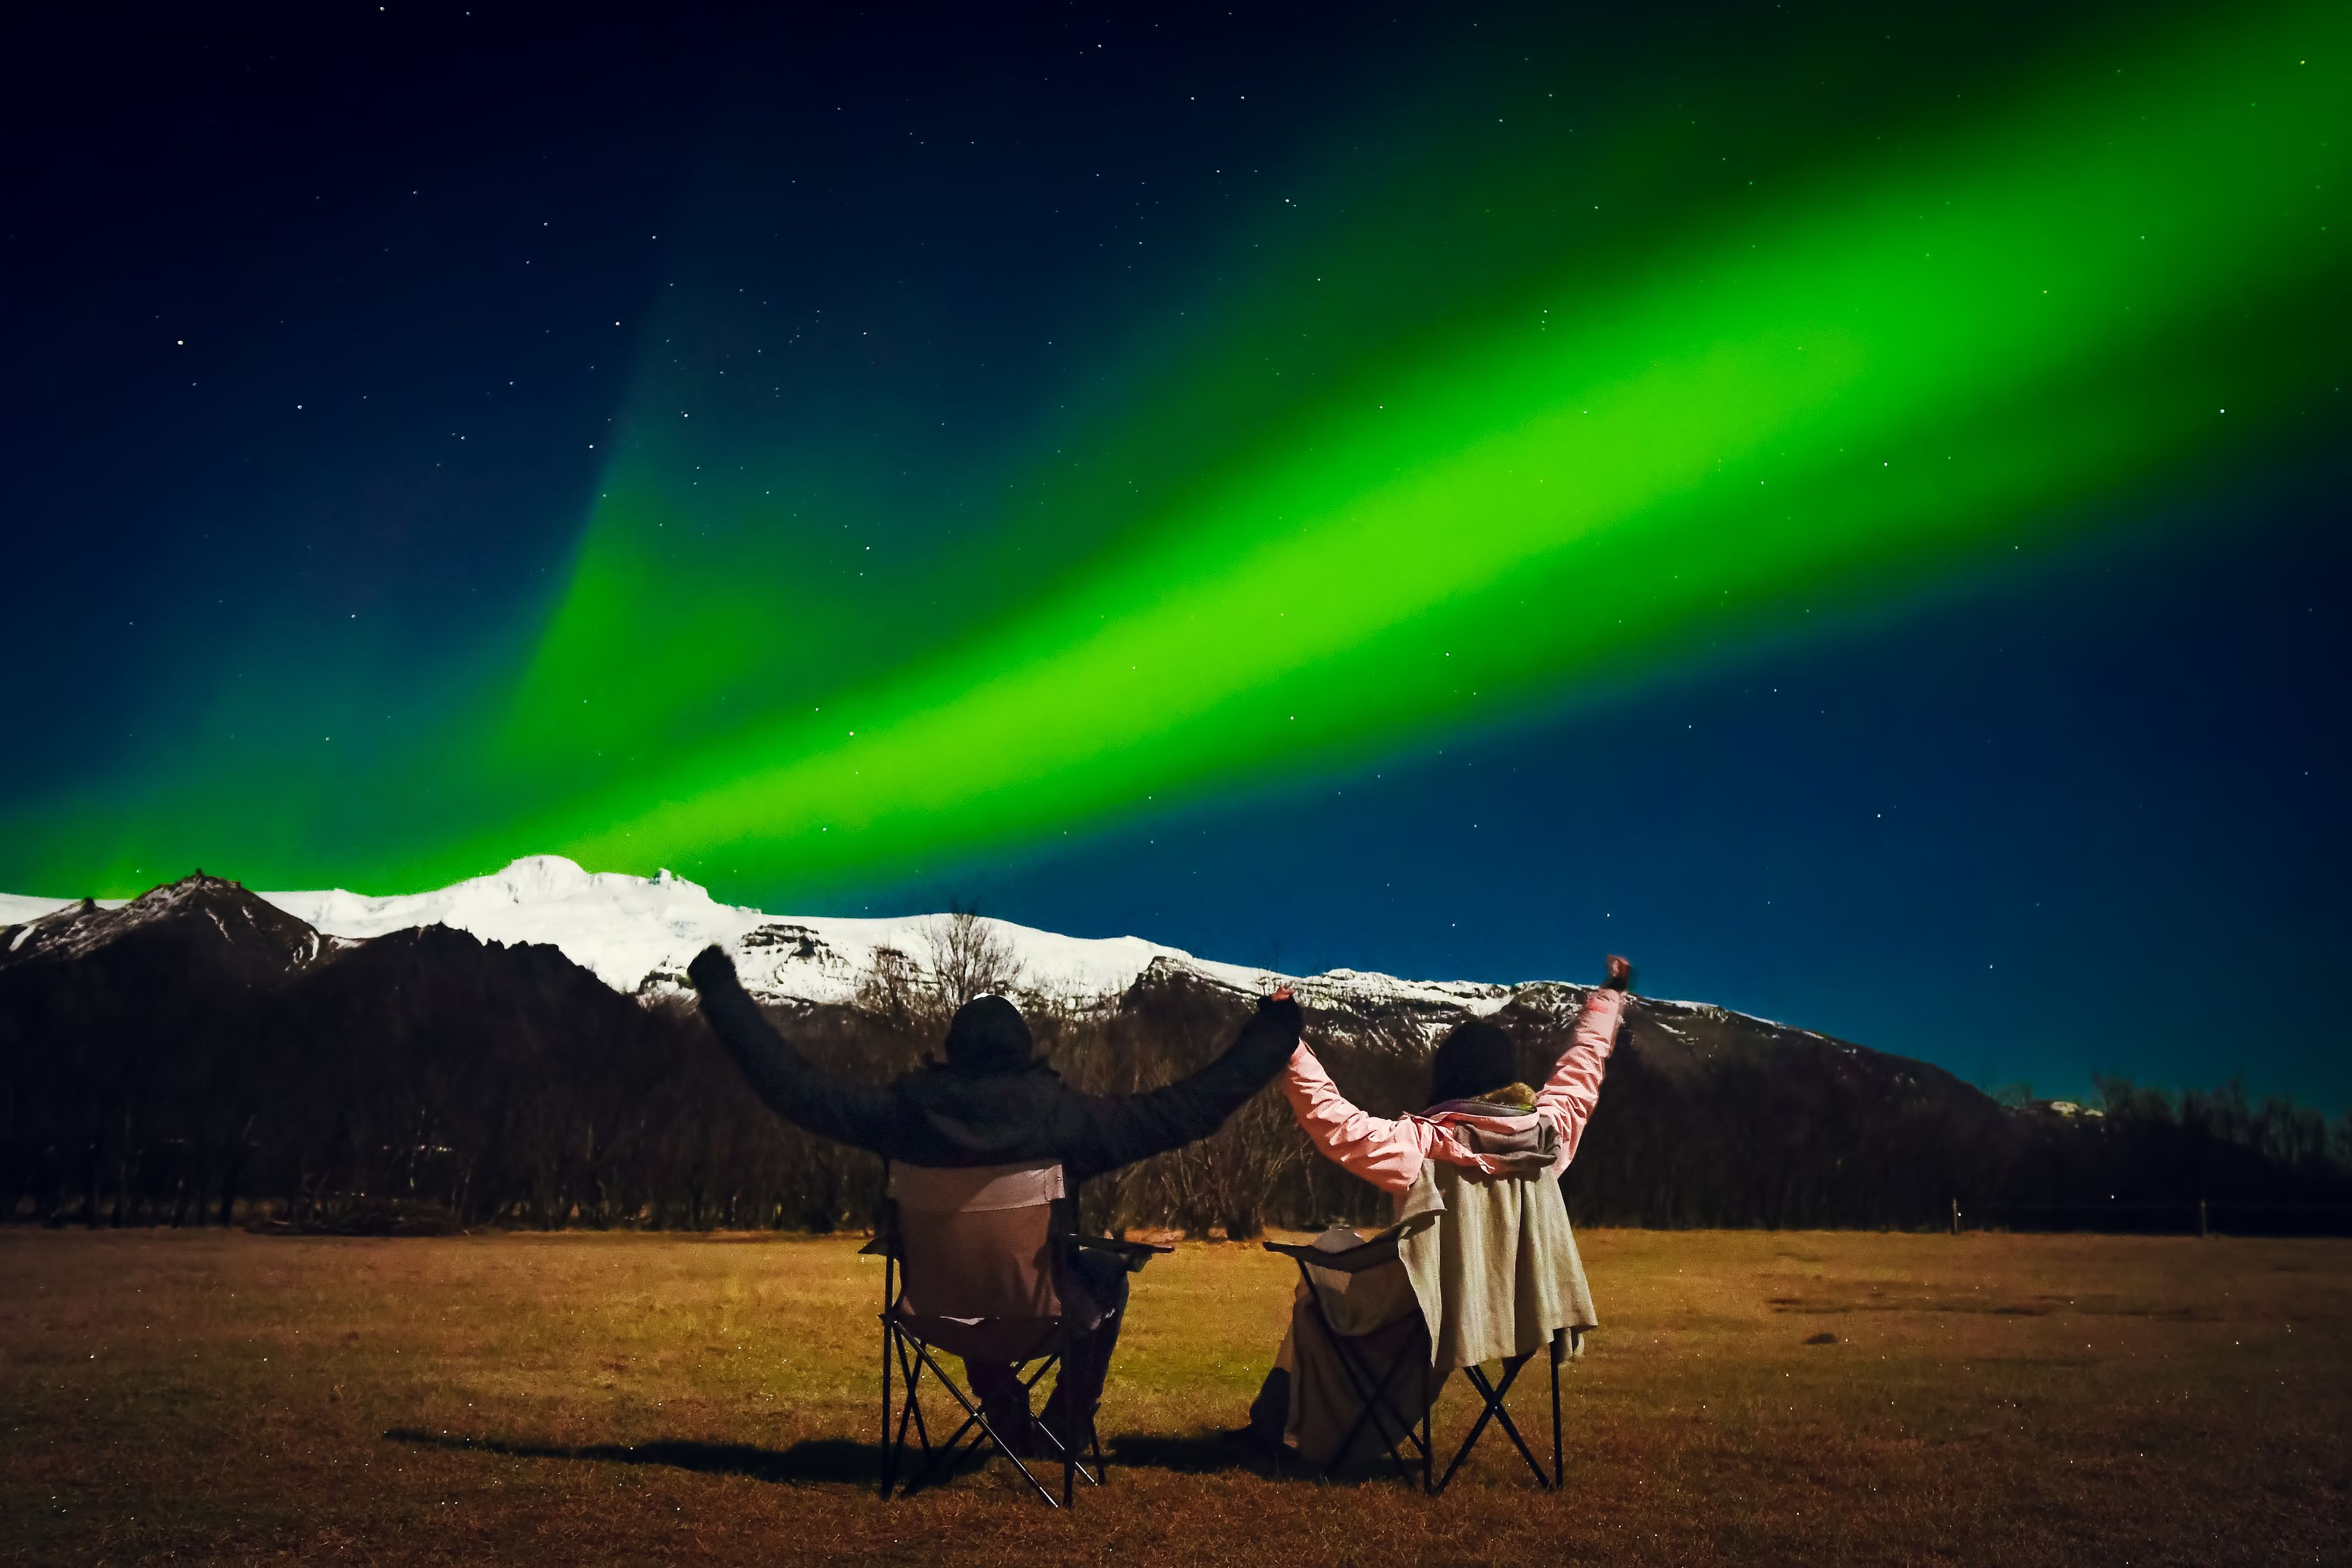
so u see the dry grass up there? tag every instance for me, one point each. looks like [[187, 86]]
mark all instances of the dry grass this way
[[186, 1396]]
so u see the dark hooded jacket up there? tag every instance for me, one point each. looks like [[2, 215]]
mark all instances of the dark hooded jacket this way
[[991, 1102]]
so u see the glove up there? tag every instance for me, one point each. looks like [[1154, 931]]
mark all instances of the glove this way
[[1285, 1011], [711, 967]]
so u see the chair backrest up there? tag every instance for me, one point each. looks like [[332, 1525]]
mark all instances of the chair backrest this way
[[978, 1241]]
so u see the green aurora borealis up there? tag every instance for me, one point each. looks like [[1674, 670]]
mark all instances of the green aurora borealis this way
[[1907, 366], [2095, 285]]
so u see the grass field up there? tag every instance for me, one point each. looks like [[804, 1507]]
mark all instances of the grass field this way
[[625, 1398]]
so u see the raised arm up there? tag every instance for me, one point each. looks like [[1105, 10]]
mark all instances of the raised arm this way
[[1141, 1125], [1568, 1097], [1389, 1154], [795, 1089]]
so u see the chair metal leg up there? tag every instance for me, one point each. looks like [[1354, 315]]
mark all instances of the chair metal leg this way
[[1410, 1435], [1375, 1414], [1428, 1400], [973, 1414], [1373, 1395], [910, 1414], [1477, 1380], [977, 1429], [1511, 1429], [912, 1372], [889, 1451], [1493, 1395], [1559, 1471], [1069, 1454], [1075, 1452], [954, 1444]]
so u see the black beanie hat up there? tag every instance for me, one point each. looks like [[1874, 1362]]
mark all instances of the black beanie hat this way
[[989, 1037], [1474, 1058]]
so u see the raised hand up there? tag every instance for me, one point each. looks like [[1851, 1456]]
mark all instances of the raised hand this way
[[1620, 975]]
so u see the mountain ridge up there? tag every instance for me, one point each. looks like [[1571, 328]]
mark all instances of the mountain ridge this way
[[637, 934]]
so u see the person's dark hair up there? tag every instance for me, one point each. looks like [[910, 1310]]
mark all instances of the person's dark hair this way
[[1474, 1058], [989, 1037]]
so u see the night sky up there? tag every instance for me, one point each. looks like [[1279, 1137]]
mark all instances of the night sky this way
[[1848, 510]]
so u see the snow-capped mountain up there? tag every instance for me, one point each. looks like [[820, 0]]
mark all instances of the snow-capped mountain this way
[[637, 934]]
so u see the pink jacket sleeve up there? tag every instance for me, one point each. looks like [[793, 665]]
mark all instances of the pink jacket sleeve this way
[[1566, 1098], [1389, 1154]]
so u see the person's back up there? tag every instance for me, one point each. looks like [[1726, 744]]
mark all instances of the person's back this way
[[1473, 1091], [1487, 1152], [992, 1102]]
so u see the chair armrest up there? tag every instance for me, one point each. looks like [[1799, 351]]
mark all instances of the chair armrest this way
[[1370, 1253], [1380, 1249], [1133, 1254]]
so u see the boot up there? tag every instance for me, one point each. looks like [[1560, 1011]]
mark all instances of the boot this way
[[1269, 1413], [1074, 1431], [1004, 1402]]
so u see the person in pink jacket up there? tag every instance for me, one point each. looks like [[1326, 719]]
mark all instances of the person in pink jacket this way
[[1473, 1081], [1474, 1084]]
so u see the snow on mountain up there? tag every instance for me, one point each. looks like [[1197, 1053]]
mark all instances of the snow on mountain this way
[[23, 909], [623, 928], [637, 934]]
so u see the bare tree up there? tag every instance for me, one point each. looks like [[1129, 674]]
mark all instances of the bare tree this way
[[971, 957], [891, 989]]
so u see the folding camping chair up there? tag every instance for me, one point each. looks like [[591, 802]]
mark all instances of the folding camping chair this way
[[974, 1264], [1394, 1426], [1371, 1377]]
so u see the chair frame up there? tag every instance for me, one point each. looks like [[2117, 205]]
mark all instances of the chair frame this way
[[1373, 1391], [913, 1353]]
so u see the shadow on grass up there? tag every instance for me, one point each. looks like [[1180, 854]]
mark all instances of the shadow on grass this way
[[841, 1460], [835, 1459], [1192, 1454], [1228, 1452]]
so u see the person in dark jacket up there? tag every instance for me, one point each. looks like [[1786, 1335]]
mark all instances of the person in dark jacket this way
[[994, 1102]]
